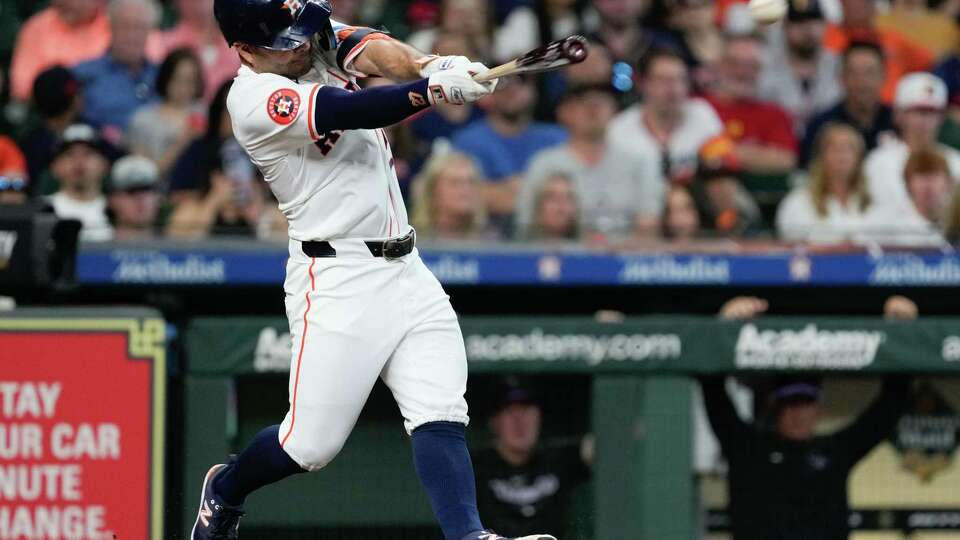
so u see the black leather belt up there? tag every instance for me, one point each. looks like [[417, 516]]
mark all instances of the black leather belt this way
[[394, 248]]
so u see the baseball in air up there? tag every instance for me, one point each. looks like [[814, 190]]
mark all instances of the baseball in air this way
[[767, 11]]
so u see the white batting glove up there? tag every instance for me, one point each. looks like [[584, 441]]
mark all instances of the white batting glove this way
[[457, 87], [432, 64]]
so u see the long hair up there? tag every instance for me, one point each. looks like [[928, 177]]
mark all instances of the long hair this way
[[819, 190], [425, 188], [951, 223], [536, 231]]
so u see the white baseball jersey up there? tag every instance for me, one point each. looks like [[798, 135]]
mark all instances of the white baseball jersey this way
[[333, 185]]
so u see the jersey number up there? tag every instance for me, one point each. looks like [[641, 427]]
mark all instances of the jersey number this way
[[327, 140]]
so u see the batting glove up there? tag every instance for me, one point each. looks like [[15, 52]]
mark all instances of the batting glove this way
[[457, 87]]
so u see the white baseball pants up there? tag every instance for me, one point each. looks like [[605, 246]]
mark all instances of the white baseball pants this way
[[356, 317]]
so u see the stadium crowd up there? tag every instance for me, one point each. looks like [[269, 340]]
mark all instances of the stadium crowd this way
[[838, 125]]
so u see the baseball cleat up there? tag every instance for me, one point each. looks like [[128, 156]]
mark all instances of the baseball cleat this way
[[216, 520]]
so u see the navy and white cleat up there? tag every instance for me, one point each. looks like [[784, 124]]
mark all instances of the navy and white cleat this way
[[216, 520], [486, 535]]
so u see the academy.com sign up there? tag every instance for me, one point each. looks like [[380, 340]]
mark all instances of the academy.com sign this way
[[806, 348], [592, 349]]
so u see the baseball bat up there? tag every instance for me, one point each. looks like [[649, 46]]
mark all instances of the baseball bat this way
[[554, 55]]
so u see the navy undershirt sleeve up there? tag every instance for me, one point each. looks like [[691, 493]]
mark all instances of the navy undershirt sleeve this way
[[372, 108]]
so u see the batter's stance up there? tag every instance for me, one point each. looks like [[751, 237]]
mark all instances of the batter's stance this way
[[360, 302]]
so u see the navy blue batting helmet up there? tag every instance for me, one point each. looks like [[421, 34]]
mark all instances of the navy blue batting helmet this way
[[280, 25]]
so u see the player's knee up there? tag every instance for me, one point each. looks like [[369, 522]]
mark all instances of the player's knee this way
[[319, 454]]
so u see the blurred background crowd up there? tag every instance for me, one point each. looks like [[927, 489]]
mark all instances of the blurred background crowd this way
[[838, 125]]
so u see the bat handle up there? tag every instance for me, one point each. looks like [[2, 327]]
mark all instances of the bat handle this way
[[500, 71]]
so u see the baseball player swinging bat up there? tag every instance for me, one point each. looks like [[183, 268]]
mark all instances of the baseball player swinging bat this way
[[554, 55], [361, 304]]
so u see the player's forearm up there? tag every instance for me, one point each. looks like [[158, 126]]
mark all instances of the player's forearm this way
[[372, 108], [392, 59]]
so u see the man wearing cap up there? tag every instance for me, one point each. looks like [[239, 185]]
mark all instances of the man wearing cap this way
[[56, 97], [919, 110], [523, 486], [620, 190], [798, 73], [134, 199], [785, 481], [79, 165]]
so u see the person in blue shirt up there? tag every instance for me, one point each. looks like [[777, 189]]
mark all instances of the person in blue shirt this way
[[504, 141], [122, 80]]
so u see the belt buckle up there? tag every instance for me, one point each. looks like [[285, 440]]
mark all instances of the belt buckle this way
[[395, 248]]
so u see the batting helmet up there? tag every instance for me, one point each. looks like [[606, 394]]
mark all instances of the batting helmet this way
[[279, 25]]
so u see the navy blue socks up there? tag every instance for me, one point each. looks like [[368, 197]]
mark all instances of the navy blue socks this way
[[261, 463], [442, 462]]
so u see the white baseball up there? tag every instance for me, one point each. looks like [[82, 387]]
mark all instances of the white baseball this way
[[767, 11]]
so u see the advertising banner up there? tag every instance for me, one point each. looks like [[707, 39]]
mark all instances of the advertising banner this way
[[662, 344], [81, 425]]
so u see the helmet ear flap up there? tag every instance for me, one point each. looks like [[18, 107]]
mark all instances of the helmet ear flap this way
[[327, 38]]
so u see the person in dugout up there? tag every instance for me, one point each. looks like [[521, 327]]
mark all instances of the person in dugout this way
[[523, 484], [785, 480]]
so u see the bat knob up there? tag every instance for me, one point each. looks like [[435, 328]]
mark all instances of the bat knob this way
[[575, 49]]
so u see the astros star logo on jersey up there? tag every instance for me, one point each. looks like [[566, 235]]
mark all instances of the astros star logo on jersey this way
[[283, 105]]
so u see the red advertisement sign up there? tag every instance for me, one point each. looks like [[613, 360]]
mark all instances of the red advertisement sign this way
[[81, 427]]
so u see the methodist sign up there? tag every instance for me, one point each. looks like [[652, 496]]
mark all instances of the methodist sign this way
[[81, 424]]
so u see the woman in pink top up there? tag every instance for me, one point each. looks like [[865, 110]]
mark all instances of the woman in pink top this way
[[197, 30]]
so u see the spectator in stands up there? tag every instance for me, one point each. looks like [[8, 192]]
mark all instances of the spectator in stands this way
[[681, 219], [798, 73], [505, 141], [903, 55], [80, 165], [620, 32], [787, 481], [951, 228], [529, 26], [443, 120], [57, 99], [119, 82], [862, 107], [214, 186], [668, 123], [761, 131], [619, 190], [919, 110], [934, 30], [727, 209], [160, 131], [556, 211], [929, 186], [66, 33], [522, 484], [134, 198], [447, 202], [699, 40], [470, 18], [835, 205], [13, 173], [197, 30]]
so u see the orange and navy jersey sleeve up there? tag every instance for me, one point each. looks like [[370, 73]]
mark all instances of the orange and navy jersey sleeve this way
[[351, 41]]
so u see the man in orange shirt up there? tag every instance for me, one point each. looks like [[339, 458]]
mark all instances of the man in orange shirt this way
[[902, 55], [68, 32]]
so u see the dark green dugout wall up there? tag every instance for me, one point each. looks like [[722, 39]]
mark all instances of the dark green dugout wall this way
[[638, 377]]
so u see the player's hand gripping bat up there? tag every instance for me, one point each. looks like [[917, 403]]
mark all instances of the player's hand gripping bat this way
[[555, 55]]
